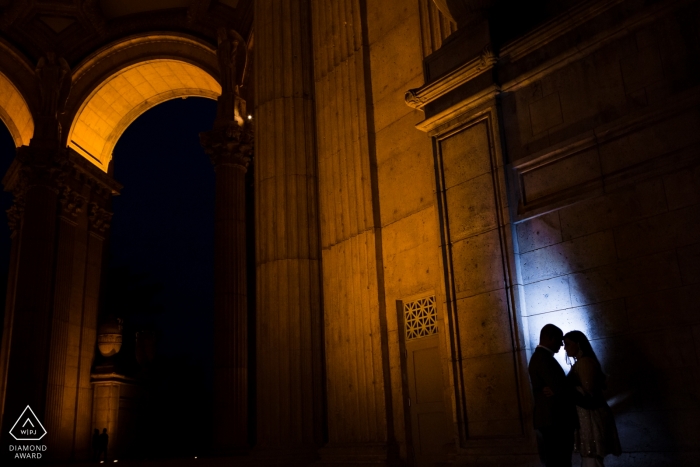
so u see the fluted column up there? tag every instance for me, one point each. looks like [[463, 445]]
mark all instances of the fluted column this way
[[360, 411], [230, 147], [65, 322], [84, 325], [288, 296]]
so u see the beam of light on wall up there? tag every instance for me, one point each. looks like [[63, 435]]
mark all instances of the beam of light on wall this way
[[122, 97], [560, 297]]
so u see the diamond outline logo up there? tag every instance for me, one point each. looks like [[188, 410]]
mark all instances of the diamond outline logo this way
[[36, 419]]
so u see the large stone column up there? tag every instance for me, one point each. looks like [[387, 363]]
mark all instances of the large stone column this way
[[52, 294], [289, 317], [34, 179], [230, 148], [360, 424]]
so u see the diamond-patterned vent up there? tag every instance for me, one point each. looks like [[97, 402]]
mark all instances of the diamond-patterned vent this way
[[421, 318]]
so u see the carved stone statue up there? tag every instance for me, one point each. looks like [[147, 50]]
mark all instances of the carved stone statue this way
[[54, 78], [231, 106], [463, 12]]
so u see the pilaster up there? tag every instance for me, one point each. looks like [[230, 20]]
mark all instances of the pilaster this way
[[489, 385]]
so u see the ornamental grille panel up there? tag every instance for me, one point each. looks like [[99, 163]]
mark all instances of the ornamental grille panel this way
[[421, 318]]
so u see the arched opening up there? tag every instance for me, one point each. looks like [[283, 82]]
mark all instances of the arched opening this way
[[121, 98], [114, 101], [159, 278]]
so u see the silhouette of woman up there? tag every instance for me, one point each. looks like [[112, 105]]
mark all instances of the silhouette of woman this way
[[596, 436]]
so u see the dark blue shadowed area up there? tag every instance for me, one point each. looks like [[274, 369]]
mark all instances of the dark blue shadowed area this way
[[163, 224]]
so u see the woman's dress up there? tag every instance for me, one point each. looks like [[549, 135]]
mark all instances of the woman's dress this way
[[597, 433]]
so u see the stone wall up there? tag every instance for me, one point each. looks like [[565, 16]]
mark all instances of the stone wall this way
[[605, 170]]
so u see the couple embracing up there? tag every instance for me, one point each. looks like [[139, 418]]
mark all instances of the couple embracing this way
[[570, 411]]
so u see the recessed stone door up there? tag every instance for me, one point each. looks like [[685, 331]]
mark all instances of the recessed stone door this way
[[430, 426]]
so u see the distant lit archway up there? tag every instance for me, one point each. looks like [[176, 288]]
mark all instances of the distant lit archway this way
[[125, 79], [15, 112], [113, 106]]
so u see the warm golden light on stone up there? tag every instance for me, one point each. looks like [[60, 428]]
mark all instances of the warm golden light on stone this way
[[14, 112], [114, 105]]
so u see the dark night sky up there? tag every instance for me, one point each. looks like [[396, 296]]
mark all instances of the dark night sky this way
[[163, 225]]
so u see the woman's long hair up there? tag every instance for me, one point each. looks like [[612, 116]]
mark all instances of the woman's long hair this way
[[586, 349]]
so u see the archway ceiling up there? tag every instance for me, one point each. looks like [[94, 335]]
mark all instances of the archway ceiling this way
[[15, 113], [121, 98]]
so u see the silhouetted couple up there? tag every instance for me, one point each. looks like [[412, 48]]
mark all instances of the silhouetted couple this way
[[570, 411], [99, 444]]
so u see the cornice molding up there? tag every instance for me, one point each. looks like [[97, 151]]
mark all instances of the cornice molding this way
[[556, 27], [439, 122], [418, 98], [552, 30]]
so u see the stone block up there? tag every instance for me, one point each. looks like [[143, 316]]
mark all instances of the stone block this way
[[653, 272], [545, 113], [658, 139], [401, 139], [477, 264], [383, 18], [466, 155], [412, 272], [668, 230], [484, 324], [491, 395], [595, 321], [392, 107], [664, 308], [399, 198], [417, 229], [549, 295], [578, 93], [683, 187], [397, 59], [592, 215], [471, 207], [563, 258], [539, 232], [642, 69], [562, 174]]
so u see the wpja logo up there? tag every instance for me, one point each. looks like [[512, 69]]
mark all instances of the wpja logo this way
[[28, 428]]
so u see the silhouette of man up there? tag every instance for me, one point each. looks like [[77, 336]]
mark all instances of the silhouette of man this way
[[104, 441], [96, 444], [554, 412]]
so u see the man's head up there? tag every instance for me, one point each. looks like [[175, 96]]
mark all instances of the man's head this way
[[551, 337]]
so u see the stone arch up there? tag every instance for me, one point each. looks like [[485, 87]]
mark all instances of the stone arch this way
[[16, 74], [123, 80]]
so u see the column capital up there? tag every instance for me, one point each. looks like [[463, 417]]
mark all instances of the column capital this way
[[71, 201], [230, 145], [99, 218]]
